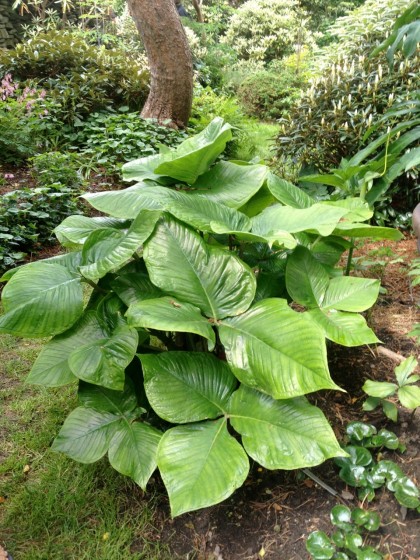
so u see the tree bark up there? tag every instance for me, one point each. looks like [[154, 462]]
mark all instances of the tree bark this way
[[171, 70], [197, 7]]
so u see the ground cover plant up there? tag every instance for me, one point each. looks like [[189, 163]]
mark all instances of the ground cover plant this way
[[228, 339]]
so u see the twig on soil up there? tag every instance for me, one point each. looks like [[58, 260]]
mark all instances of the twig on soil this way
[[390, 354]]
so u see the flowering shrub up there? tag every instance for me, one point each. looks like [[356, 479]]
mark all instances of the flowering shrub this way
[[24, 121], [267, 29]]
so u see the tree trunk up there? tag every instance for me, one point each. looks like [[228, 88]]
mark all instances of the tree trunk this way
[[171, 70], [197, 7]]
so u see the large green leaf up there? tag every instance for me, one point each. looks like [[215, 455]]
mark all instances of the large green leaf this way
[[201, 465], [319, 218], [357, 209], [74, 230], [122, 403], [133, 450], [103, 361], [127, 203], [289, 434], [348, 329], [308, 284], [364, 230], [276, 350], [230, 184], [132, 287], [41, 300], [188, 160], [86, 433], [173, 379], [306, 278], [71, 261], [347, 293], [107, 250], [287, 193], [409, 396], [51, 367], [168, 314], [185, 266]]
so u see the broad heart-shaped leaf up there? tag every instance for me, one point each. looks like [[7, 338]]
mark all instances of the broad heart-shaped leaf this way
[[173, 379], [287, 193], [230, 184], [288, 434], [107, 400], [107, 250], [51, 367], [168, 314], [188, 160], [364, 230], [74, 230], [86, 433], [185, 266], [276, 350], [41, 300], [195, 155], [348, 329], [103, 361], [133, 451], [201, 465], [71, 261], [357, 209], [347, 293], [308, 284], [319, 218], [132, 287], [306, 278], [126, 203]]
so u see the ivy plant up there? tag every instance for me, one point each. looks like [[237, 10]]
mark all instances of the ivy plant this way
[[189, 354]]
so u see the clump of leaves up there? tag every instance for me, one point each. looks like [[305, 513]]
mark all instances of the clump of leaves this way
[[359, 468], [347, 540], [188, 336], [381, 392]]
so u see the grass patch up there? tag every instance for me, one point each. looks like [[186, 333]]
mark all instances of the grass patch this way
[[50, 506], [257, 141]]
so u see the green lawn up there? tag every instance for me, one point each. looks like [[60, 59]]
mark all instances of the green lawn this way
[[50, 506]]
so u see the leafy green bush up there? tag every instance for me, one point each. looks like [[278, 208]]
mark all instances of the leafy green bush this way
[[110, 139], [27, 217], [351, 93], [25, 123], [269, 95], [267, 29], [83, 78], [57, 167], [188, 335]]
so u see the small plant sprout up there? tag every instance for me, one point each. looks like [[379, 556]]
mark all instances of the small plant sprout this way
[[404, 390], [347, 541]]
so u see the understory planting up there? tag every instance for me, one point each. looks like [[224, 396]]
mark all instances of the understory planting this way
[[213, 288]]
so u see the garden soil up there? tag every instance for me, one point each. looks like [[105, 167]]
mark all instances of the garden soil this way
[[271, 516]]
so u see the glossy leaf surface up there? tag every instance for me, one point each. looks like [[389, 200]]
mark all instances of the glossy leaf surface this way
[[201, 465]]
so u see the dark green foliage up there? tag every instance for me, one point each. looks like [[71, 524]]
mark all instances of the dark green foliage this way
[[270, 95], [27, 217], [57, 167], [82, 77], [111, 139]]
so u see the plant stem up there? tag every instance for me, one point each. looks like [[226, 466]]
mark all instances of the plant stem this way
[[349, 258]]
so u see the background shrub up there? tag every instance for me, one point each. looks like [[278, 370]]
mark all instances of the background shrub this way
[[267, 29], [350, 93], [269, 95], [84, 78]]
